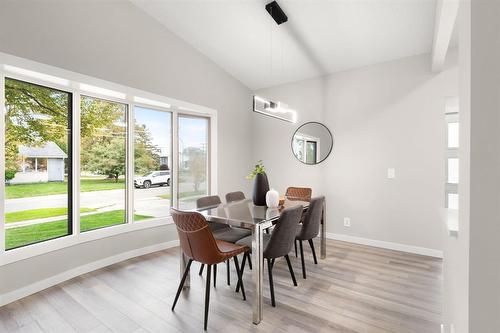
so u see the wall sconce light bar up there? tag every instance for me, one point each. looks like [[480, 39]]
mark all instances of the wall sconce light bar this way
[[274, 109]]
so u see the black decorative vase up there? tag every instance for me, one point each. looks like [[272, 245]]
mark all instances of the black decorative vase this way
[[260, 188]]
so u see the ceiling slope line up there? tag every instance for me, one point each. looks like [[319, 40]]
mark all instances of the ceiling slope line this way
[[446, 15]]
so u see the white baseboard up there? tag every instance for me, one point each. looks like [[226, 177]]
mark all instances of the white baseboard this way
[[67, 275], [386, 245]]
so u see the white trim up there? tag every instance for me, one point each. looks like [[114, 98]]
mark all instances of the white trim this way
[[77, 271], [386, 245]]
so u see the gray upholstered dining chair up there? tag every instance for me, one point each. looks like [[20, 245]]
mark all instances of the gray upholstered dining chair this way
[[235, 196], [278, 244], [220, 231], [309, 229]]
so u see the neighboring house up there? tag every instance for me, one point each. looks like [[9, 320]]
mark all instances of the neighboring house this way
[[40, 164], [164, 159]]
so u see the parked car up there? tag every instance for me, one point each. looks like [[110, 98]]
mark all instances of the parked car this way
[[159, 178]]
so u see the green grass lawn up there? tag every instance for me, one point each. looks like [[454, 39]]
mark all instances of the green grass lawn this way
[[32, 214], [39, 189], [16, 237]]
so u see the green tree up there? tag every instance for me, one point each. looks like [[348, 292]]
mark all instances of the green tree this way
[[146, 154], [107, 158], [196, 164], [37, 114], [34, 115]]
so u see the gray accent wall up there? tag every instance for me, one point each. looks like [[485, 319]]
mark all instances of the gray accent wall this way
[[115, 41]]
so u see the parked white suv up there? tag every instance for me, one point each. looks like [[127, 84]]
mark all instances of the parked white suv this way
[[153, 178]]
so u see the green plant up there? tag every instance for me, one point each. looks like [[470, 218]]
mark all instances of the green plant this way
[[9, 174], [258, 169]]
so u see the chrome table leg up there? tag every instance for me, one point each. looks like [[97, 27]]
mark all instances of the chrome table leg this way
[[257, 272]]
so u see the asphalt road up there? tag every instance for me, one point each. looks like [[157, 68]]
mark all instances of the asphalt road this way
[[147, 201]]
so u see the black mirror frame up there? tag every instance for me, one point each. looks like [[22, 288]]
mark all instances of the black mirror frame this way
[[329, 132]]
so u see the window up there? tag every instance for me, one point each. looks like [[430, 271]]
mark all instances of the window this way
[[306, 148], [103, 145], [37, 157], [452, 161], [153, 145], [193, 160], [135, 155]]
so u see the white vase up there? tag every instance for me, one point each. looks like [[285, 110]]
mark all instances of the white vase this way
[[272, 198]]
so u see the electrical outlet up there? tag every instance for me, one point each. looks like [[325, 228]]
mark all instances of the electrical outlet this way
[[347, 221]]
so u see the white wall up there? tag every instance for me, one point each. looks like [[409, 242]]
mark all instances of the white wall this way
[[115, 41], [484, 258], [386, 115]]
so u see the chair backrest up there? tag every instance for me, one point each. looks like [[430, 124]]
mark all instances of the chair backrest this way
[[208, 201], [299, 193], [211, 201], [312, 219], [235, 196], [195, 237], [284, 233]]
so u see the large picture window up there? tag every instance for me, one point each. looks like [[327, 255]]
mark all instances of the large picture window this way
[[37, 163], [193, 160], [152, 159], [103, 146], [85, 159]]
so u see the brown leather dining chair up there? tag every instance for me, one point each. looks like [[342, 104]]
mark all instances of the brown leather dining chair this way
[[221, 231], [309, 229], [198, 244], [298, 193]]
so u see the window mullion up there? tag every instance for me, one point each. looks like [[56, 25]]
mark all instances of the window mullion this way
[[75, 186], [2, 165], [174, 179], [129, 172]]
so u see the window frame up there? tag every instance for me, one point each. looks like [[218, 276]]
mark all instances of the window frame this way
[[451, 116], [209, 148], [72, 82]]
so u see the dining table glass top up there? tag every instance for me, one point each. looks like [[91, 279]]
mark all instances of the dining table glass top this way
[[245, 214]]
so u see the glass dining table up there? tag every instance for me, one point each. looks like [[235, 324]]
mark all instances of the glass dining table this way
[[244, 214]]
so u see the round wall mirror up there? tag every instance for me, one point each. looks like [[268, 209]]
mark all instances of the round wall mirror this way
[[312, 143]]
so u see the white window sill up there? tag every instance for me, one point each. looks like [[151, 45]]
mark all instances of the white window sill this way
[[22, 253]]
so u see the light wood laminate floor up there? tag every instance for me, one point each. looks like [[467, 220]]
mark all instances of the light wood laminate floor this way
[[356, 289]]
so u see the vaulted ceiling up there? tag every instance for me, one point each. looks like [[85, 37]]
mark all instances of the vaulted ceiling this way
[[320, 37]]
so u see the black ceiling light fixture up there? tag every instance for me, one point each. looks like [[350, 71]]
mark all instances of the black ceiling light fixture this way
[[276, 12]]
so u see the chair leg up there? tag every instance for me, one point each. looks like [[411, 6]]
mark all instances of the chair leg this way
[[313, 251], [245, 255], [296, 249], [249, 261], [291, 270], [271, 284], [215, 275], [240, 277], [201, 269], [228, 273], [302, 259], [181, 284], [207, 295]]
